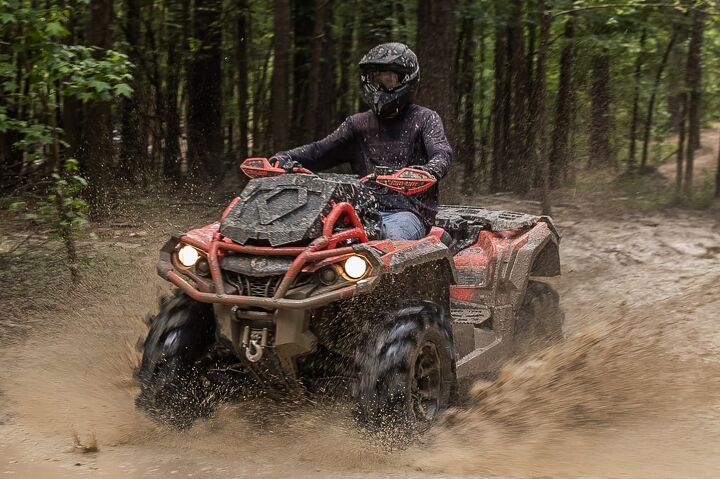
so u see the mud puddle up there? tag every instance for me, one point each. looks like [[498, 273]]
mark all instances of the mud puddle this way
[[634, 392]]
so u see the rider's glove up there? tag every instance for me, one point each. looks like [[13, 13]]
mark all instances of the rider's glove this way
[[285, 163]]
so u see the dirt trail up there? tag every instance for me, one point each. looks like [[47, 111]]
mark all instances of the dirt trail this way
[[634, 392]]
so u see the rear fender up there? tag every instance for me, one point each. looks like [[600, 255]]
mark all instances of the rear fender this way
[[538, 256]]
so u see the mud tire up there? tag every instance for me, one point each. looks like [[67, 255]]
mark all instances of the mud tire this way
[[540, 320], [387, 366], [171, 375]]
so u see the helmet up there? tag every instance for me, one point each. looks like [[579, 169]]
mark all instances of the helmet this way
[[389, 73]]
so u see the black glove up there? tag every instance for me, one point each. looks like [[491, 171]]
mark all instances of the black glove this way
[[285, 163]]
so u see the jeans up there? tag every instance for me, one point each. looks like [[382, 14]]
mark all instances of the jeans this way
[[402, 225]]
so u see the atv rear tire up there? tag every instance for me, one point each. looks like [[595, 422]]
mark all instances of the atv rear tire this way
[[540, 319], [171, 375], [407, 373]]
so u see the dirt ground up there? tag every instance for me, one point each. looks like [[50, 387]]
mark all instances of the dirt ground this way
[[634, 392]]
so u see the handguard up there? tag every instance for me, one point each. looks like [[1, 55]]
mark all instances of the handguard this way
[[262, 168]]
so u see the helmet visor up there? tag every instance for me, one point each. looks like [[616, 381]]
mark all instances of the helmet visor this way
[[384, 80]]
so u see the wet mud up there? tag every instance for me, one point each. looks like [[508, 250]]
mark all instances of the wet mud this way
[[633, 392]]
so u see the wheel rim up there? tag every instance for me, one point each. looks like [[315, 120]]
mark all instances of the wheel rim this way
[[426, 383]]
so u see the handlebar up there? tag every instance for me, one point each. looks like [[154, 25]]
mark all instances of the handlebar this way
[[407, 181]]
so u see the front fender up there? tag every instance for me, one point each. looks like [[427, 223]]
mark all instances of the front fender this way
[[395, 257]]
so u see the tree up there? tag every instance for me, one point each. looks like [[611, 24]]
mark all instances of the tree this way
[[303, 26], [243, 13], [717, 173], [653, 95], [435, 43], [519, 166], [564, 109], [97, 151], [321, 82], [600, 118], [466, 100], [204, 92], [501, 103], [133, 147], [280, 76], [540, 113], [693, 78], [636, 102], [177, 16]]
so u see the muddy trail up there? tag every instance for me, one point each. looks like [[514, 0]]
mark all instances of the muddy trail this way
[[633, 392]]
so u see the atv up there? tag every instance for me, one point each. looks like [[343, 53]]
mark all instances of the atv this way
[[294, 288]]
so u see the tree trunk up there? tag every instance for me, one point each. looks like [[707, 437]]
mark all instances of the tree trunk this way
[[501, 105], [344, 101], [600, 110], [676, 70], [481, 112], [467, 76], [133, 148], [681, 144], [693, 79], [303, 25], [540, 118], [319, 89], [717, 173], [204, 89], [97, 150], [177, 16], [435, 44], [651, 102], [520, 167], [631, 163], [279, 101], [242, 80], [564, 107]]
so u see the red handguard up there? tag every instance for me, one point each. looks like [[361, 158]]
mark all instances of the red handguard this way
[[408, 181], [262, 168]]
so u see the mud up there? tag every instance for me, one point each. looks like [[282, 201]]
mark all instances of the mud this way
[[634, 392]]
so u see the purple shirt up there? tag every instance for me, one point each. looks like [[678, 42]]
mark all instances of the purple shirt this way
[[415, 137]]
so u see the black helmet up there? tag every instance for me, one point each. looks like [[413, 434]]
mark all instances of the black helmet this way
[[389, 73]]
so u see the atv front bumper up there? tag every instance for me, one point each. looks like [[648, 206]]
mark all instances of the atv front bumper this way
[[206, 290]]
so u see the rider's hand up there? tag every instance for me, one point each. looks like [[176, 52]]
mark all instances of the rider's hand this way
[[285, 163]]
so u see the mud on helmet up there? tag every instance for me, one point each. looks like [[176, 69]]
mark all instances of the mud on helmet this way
[[389, 74]]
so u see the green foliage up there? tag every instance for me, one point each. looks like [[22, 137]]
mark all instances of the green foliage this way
[[63, 212], [48, 68], [37, 71]]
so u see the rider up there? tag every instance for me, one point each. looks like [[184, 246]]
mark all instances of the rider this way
[[394, 133]]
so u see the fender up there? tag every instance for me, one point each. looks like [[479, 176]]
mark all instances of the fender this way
[[538, 256], [397, 256]]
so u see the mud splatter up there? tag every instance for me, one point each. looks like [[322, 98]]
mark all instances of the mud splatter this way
[[634, 392]]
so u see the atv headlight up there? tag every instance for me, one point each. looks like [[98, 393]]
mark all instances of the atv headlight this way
[[355, 267], [188, 256]]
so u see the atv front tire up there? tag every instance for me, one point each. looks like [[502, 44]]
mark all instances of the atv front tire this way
[[171, 375], [540, 320], [407, 373]]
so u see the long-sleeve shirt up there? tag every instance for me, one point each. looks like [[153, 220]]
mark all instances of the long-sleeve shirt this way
[[415, 137]]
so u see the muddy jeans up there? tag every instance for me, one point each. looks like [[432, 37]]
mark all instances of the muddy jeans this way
[[402, 225]]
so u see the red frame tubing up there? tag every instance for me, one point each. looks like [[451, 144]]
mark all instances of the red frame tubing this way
[[319, 249]]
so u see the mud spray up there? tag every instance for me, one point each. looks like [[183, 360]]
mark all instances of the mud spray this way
[[634, 392]]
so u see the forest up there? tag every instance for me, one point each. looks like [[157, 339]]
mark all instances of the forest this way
[[104, 95]]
